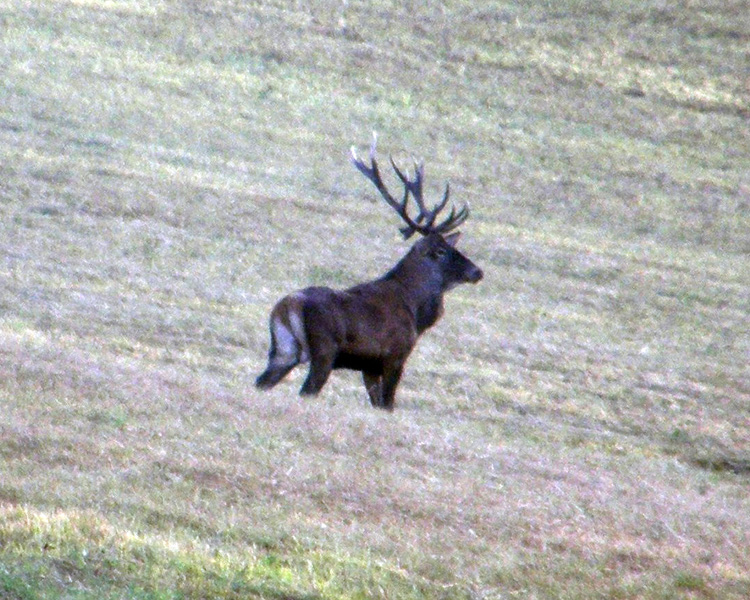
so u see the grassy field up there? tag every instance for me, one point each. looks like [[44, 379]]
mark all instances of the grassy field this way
[[576, 427]]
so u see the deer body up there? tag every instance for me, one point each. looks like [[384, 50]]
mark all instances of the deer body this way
[[371, 327]]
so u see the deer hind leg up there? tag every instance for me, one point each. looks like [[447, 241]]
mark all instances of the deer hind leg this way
[[322, 358], [317, 377], [323, 349], [288, 347]]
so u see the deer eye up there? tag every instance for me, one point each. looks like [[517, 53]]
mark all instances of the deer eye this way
[[439, 251]]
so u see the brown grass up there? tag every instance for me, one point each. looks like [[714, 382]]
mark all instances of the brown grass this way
[[576, 426]]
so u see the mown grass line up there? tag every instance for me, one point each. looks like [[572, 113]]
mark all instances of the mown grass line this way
[[575, 427], [63, 554]]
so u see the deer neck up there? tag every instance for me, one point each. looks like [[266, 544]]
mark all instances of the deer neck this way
[[421, 289]]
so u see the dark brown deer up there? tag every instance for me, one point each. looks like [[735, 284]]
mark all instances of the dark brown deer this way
[[374, 326]]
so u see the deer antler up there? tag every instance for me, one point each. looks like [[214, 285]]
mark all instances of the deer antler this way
[[424, 222]]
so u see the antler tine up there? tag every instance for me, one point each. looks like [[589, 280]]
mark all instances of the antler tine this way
[[454, 220], [438, 207], [424, 222], [373, 174], [414, 187], [417, 190]]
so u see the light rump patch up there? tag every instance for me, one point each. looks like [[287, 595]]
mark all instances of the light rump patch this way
[[287, 349]]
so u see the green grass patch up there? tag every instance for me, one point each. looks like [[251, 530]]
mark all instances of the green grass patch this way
[[77, 555]]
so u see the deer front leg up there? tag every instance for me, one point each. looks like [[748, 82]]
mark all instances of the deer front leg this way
[[374, 387], [390, 381]]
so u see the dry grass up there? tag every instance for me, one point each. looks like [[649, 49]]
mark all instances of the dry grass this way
[[576, 427]]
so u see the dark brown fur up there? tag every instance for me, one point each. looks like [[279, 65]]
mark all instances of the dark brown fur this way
[[371, 327]]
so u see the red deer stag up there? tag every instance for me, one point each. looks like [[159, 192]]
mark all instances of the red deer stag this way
[[374, 326]]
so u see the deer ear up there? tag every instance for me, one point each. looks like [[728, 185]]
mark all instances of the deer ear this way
[[452, 239]]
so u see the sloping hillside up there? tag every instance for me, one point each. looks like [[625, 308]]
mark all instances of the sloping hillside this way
[[578, 424]]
